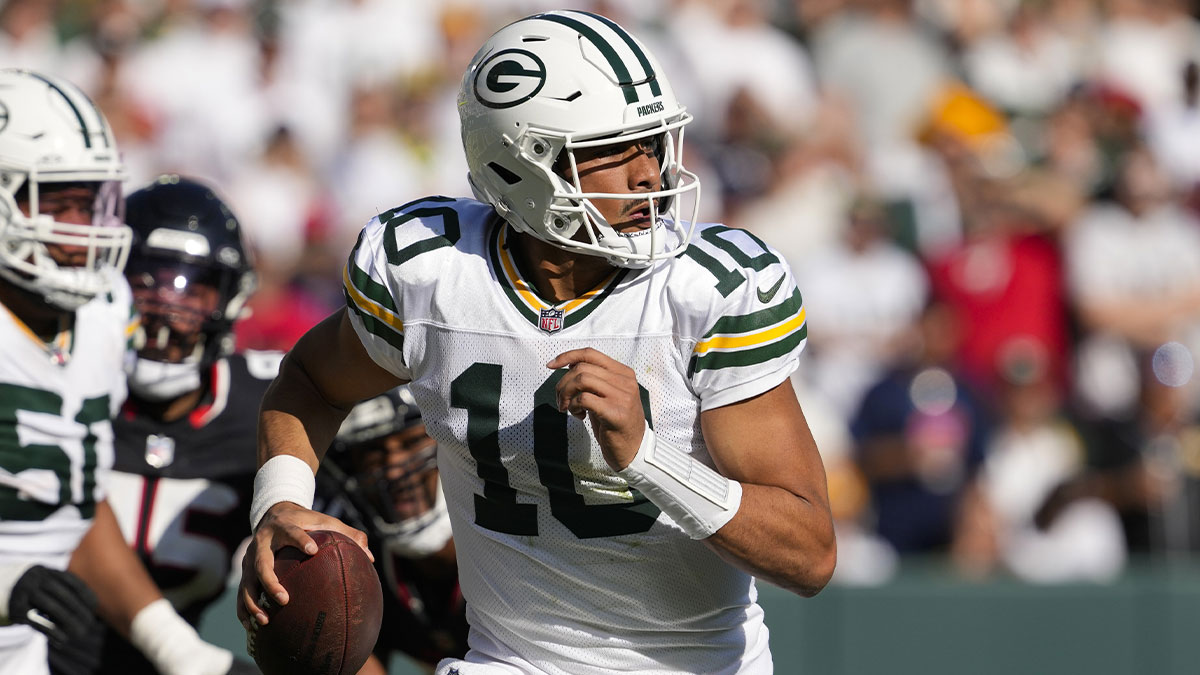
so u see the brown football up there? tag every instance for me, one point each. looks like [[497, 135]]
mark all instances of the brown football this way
[[334, 610]]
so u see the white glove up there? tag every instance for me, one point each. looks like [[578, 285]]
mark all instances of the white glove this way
[[173, 646]]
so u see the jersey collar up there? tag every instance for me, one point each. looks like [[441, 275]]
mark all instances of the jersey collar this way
[[525, 299]]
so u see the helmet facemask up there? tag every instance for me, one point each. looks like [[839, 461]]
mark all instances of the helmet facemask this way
[[67, 263], [397, 484], [187, 313], [573, 222], [394, 485], [179, 306]]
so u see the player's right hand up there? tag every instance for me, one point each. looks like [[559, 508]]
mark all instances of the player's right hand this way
[[284, 524], [56, 603]]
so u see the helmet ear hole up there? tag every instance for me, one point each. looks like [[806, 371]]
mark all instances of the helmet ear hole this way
[[504, 174]]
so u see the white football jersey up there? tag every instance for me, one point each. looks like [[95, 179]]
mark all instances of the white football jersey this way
[[56, 439], [564, 567]]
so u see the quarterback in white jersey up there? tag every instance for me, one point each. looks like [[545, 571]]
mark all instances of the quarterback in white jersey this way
[[526, 484], [619, 444]]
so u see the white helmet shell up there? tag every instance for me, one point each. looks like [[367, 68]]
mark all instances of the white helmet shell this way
[[50, 132], [551, 83]]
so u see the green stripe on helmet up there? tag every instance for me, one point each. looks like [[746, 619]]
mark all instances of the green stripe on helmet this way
[[635, 48], [83, 128], [623, 77]]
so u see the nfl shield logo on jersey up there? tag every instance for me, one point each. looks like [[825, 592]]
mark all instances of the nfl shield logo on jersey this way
[[552, 320], [160, 450]]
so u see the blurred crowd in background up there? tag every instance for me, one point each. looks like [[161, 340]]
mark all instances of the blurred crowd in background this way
[[990, 205]]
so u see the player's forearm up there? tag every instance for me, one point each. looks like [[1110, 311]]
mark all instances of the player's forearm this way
[[782, 530], [319, 381], [114, 573], [295, 419], [779, 537]]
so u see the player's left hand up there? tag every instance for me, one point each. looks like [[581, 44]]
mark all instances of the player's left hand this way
[[606, 392], [54, 602]]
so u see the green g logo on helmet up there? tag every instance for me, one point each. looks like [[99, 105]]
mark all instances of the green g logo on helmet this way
[[509, 78]]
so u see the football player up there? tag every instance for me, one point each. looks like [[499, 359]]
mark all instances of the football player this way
[[185, 437], [380, 476], [619, 444], [65, 323]]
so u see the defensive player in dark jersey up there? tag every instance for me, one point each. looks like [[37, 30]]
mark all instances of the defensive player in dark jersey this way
[[185, 438], [380, 476]]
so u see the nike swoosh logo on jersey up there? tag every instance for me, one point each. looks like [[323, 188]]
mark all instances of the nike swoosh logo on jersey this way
[[765, 296]]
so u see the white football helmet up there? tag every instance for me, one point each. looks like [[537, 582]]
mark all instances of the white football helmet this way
[[552, 83], [50, 132]]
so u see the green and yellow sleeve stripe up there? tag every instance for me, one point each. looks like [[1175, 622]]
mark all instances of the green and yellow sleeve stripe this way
[[751, 339], [373, 304]]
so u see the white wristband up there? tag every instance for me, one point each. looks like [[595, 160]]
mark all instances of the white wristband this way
[[699, 499], [173, 645], [283, 478]]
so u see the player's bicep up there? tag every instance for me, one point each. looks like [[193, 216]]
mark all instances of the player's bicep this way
[[332, 357], [765, 440]]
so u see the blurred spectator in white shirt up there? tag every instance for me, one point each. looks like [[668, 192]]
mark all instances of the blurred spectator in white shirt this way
[[1173, 132], [1026, 67], [1134, 280], [27, 35], [1034, 451], [200, 79], [278, 197], [885, 64], [863, 295], [1143, 47], [376, 169], [770, 66]]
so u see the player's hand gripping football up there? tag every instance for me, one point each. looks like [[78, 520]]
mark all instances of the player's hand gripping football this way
[[284, 524], [606, 392]]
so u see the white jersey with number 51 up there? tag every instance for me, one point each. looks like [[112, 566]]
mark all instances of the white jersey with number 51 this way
[[56, 439], [564, 567]]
